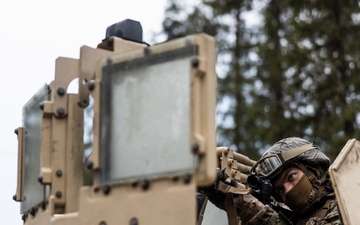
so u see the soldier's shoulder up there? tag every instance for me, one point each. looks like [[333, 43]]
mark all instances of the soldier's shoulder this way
[[333, 216]]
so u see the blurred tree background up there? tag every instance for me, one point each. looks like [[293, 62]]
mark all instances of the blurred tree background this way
[[285, 68]]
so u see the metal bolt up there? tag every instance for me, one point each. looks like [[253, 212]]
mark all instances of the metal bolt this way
[[40, 179], [89, 164], [145, 184], [60, 111], [195, 62], [59, 173], [61, 91], [91, 85], [14, 197], [187, 178], [195, 148], [133, 221], [58, 194], [32, 211], [106, 189], [43, 205], [23, 217], [102, 223], [41, 106], [16, 131]]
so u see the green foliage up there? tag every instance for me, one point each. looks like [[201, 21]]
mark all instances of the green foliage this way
[[293, 73]]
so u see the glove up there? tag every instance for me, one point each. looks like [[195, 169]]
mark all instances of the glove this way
[[215, 196], [248, 208]]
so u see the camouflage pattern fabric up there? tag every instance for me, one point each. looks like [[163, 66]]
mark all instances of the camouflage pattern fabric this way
[[331, 217]]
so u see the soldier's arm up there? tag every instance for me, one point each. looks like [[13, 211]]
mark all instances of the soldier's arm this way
[[252, 212]]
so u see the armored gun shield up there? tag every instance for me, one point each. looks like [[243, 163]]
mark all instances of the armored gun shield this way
[[153, 135], [344, 174]]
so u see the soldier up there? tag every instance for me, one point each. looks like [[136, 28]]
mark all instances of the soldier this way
[[298, 172]]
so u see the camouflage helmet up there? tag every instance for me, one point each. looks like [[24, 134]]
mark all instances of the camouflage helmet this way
[[289, 151]]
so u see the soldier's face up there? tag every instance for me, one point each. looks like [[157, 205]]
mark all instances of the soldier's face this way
[[287, 180]]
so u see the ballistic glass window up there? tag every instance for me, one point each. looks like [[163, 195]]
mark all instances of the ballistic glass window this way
[[145, 117], [32, 120]]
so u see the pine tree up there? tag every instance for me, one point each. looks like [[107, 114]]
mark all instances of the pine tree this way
[[296, 74]]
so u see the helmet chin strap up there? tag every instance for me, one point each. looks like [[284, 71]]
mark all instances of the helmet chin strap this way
[[317, 190]]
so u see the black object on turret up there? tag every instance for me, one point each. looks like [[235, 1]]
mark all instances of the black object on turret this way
[[127, 29]]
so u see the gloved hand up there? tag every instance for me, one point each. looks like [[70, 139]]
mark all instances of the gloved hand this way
[[248, 208], [213, 194]]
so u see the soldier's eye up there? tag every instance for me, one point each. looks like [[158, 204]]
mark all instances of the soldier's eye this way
[[291, 177]]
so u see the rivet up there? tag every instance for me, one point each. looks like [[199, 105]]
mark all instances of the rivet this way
[[195, 62], [32, 211], [145, 184], [91, 85], [89, 164], [133, 221], [60, 91], [187, 178], [43, 205], [195, 148], [106, 189], [60, 111], [59, 173], [58, 194]]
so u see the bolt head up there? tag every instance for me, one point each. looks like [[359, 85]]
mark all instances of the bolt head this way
[[58, 194], [61, 91], [145, 184], [106, 189], [59, 173], [195, 62]]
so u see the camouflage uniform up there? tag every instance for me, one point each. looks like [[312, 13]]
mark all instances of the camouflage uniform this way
[[317, 207], [324, 213], [331, 217]]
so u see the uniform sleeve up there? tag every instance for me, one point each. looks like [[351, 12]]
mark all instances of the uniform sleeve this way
[[267, 216]]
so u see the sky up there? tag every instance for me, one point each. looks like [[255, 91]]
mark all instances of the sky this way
[[32, 35]]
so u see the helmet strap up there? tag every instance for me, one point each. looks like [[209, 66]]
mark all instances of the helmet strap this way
[[317, 184]]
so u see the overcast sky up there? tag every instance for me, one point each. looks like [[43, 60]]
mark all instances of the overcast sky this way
[[33, 34]]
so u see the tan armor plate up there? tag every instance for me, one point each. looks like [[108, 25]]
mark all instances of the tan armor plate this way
[[344, 174]]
